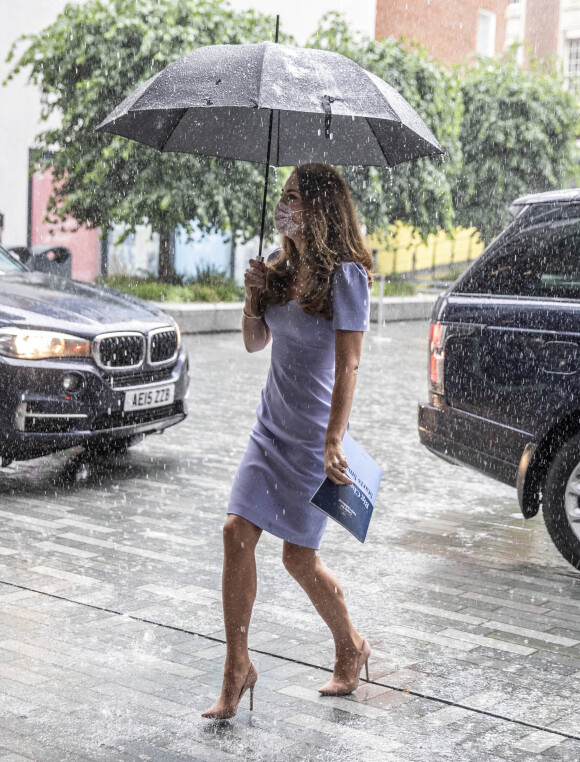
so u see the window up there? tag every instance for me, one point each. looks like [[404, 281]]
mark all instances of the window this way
[[9, 263], [573, 65], [485, 45], [542, 265]]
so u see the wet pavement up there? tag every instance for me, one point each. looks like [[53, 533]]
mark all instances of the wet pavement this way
[[111, 639]]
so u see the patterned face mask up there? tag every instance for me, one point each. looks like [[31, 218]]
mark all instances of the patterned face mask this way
[[283, 221]]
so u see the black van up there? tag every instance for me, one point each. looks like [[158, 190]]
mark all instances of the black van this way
[[504, 364]]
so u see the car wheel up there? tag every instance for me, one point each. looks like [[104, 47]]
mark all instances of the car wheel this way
[[561, 501], [103, 448]]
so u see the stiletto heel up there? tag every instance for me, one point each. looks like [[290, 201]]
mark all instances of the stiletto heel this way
[[336, 688], [230, 711]]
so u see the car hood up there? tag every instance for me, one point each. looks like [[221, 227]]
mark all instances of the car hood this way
[[36, 300]]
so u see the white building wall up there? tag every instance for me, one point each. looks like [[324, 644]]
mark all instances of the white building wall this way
[[568, 30], [19, 113], [515, 27]]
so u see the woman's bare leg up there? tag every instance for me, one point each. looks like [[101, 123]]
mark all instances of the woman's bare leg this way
[[325, 592], [238, 594]]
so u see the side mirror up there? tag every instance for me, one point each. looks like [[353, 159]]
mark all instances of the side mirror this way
[[22, 252], [58, 254]]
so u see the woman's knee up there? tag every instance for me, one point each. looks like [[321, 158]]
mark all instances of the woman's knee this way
[[298, 561], [239, 533]]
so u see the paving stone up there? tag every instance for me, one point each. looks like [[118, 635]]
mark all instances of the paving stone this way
[[503, 603], [142, 699], [448, 715], [538, 741], [565, 751], [544, 714], [351, 707], [429, 637], [352, 736], [442, 613], [483, 699], [390, 699], [481, 640]]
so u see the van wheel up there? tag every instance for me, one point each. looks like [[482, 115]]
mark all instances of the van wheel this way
[[561, 501]]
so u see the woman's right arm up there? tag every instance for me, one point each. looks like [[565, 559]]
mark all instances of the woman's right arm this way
[[255, 331]]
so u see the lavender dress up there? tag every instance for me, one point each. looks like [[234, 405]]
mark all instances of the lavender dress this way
[[283, 464]]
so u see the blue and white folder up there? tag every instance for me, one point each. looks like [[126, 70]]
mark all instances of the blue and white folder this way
[[351, 505]]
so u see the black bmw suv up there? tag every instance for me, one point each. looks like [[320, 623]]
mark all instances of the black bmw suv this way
[[504, 364], [82, 365]]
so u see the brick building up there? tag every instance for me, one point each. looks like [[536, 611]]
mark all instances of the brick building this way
[[450, 29], [454, 30]]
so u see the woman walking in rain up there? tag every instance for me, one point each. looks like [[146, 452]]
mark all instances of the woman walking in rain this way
[[313, 300]]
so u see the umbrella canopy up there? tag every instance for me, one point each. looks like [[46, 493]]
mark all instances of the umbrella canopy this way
[[273, 104]]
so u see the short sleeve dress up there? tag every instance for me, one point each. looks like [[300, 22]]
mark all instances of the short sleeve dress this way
[[283, 464]]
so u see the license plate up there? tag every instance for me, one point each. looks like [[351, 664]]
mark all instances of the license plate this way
[[149, 396]]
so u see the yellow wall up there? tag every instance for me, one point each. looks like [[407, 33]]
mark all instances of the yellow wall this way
[[401, 250]]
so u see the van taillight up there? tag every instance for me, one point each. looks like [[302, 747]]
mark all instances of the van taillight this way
[[436, 356]]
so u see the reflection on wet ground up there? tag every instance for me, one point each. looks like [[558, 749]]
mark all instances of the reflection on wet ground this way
[[73, 469], [111, 639]]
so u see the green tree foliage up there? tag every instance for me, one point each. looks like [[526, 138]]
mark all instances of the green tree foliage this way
[[505, 131], [87, 62], [518, 136], [418, 192]]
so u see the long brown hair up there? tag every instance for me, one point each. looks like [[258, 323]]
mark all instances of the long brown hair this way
[[332, 235]]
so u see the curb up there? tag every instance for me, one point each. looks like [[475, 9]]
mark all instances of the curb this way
[[218, 317]]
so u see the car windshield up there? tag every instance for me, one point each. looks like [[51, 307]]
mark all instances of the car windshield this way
[[8, 263]]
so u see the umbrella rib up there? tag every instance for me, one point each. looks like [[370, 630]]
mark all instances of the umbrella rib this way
[[379, 142], [168, 138], [261, 76]]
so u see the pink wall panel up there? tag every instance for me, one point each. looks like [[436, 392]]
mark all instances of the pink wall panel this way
[[82, 242]]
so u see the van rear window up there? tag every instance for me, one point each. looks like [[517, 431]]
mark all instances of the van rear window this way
[[545, 265]]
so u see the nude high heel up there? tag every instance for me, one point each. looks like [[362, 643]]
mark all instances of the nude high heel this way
[[229, 712], [336, 688]]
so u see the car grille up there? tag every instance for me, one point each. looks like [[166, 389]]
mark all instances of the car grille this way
[[53, 425], [140, 379], [120, 350], [162, 346], [135, 417]]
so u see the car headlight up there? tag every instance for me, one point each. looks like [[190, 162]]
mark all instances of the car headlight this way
[[22, 344]]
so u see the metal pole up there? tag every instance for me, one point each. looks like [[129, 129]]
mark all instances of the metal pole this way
[[380, 314], [434, 258], [267, 172]]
